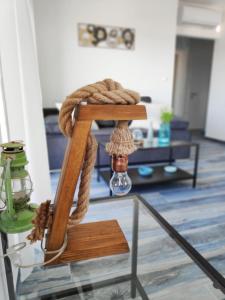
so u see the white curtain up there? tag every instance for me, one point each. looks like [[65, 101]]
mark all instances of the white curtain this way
[[22, 90], [22, 93]]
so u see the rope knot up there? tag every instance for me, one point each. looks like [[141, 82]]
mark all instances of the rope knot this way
[[107, 91]]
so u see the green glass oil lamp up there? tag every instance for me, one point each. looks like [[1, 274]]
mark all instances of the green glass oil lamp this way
[[15, 190]]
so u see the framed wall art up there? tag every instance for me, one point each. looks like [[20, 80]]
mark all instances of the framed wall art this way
[[91, 35]]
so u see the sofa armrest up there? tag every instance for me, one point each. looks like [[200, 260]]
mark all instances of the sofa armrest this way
[[179, 123]]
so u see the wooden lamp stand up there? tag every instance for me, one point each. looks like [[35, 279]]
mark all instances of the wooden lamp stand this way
[[94, 239]]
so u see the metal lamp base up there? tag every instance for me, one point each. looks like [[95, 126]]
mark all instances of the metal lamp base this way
[[20, 222]]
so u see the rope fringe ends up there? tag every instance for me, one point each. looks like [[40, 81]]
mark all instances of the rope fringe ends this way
[[121, 142]]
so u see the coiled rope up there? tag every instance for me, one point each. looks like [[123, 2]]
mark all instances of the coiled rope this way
[[102, 92]]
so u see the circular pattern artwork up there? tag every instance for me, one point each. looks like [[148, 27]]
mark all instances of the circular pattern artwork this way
[[91, 35]]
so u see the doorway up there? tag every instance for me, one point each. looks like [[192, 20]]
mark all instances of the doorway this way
[[193, 61]]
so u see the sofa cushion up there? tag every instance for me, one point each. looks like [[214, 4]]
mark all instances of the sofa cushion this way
[[52, 127], [179, 123], [106, 124], [51, 119], [102, 135], [146, 99], [51, 124]]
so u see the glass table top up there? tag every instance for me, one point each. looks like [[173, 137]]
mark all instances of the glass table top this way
[[147, 144], [162, 268]]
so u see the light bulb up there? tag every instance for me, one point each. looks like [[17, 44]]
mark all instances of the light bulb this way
[[120, 183]]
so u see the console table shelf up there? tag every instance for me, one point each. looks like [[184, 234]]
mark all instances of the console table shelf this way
[[159, 175]]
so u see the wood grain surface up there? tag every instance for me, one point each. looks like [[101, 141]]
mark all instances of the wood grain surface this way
[[112, 112], [95, 239], [67, 184]]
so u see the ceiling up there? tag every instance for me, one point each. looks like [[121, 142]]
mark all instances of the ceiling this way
[[216, 4]]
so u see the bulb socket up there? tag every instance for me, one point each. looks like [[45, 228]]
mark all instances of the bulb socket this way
[[119, 163]]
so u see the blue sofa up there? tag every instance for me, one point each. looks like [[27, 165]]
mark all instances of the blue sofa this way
[[56, 142]]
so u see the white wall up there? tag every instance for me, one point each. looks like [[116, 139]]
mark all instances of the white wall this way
[[64, 66], [215, 126]]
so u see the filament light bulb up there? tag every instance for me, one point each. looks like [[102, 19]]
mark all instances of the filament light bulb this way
[[120, 183]]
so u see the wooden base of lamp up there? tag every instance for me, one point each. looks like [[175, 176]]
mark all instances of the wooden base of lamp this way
[[92, 240]]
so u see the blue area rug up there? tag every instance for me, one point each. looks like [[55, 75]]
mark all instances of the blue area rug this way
[[198, 214]]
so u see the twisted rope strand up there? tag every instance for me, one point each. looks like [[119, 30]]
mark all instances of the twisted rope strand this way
[[85, 180]]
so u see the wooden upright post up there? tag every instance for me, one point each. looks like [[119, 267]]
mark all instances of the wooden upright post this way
[[67, 184]]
